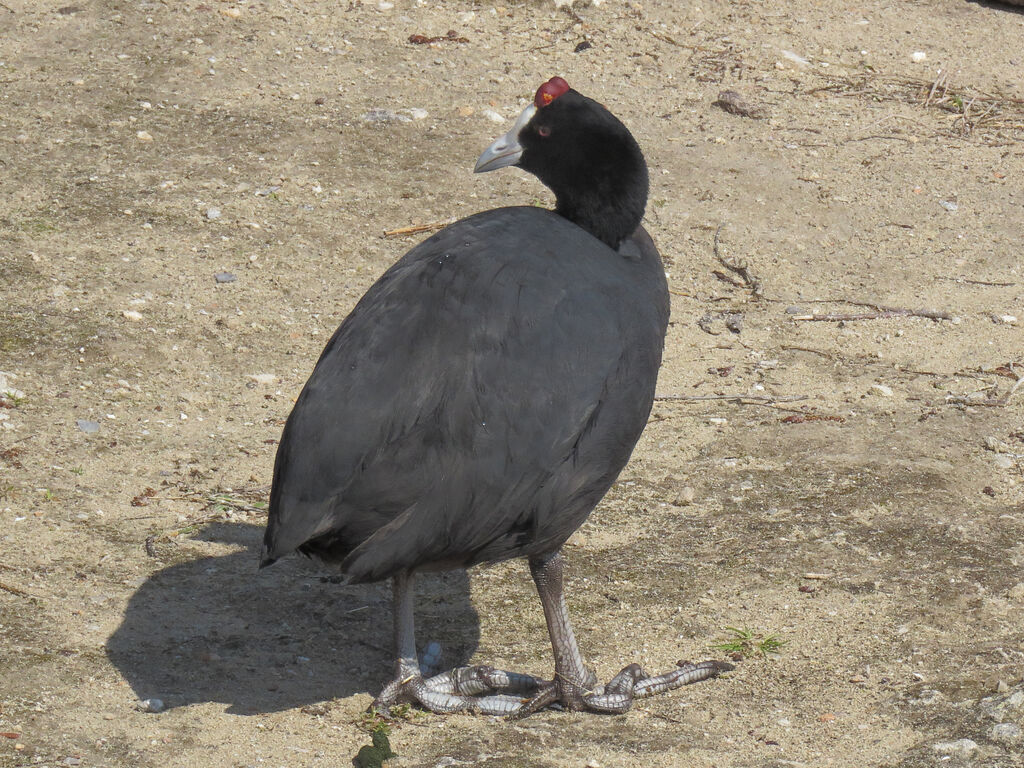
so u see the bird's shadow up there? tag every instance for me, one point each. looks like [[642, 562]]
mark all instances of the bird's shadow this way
[[1000, 6], [217, 630]]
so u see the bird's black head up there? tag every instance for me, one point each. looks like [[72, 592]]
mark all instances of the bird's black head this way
[[584, 154]]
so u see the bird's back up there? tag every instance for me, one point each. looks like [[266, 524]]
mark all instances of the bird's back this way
[[478, 401]]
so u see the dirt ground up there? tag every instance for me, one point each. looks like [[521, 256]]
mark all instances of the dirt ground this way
[[194, 194]]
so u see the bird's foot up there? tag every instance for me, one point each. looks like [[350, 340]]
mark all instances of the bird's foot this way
[[618, 695], [480, 689]]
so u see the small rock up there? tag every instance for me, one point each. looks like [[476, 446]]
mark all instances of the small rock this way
[[151, 705], [88, 426], [961, 748], [21, 138], [385, 116], [685, 497], [493, 116], [1008, 733], [1006, 319], [224, 277], [465, 111], [267, 192], [1017, 594], [795, 58], [418, 114], [880, 389], [592, 764], [144, 136], [949, 205], [794, 310], [131, 314], [231, 13], [1004, 706], [918, 56], [72, 761], [264, 378], [6, 388], [928, 697], [212, 214]]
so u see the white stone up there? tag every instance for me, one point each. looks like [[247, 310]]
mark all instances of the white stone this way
[[962, 748]]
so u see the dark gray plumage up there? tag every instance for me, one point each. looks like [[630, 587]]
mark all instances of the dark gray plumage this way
[[483, 396], [477, 403]]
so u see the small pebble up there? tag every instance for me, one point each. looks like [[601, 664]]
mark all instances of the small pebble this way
[[212, 214], [144, 136], [685, 497], [264, 378], [961, 748], [1008, 733], [88, 426], [493, 116], [734, 322], [918, 56], [231, 13], [794, 310], [881, 389], [1007, 319], [795, 58], [6, 388], [131, 314], [268, 191], [418, 114], [151, 705], [949, 205], [225, 277], [385, 116]]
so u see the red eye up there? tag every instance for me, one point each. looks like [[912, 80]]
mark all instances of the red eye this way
[[544, 130]]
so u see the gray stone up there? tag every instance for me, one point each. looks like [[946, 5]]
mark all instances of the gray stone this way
[[961, 748], [1007, 733]]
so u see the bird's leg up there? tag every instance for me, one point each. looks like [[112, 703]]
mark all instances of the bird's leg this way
[[575, 686], [572, 678], [453, 691]]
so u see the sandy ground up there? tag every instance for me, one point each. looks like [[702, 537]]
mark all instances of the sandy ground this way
[[148, 147]]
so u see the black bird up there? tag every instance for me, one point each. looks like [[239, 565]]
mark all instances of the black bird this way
[[483, 396]]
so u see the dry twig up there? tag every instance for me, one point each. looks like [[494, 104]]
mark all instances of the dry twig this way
[[737, 268], [973, 107], [417, 228], [962, 279], [16, 591], [742, 399], [880, 313]]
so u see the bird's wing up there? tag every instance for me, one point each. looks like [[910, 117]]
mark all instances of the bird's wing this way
[[447, 413]]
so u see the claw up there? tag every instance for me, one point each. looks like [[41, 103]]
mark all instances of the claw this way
[[480, 689]]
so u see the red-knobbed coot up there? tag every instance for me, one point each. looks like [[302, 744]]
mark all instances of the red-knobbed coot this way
[[483, 396]]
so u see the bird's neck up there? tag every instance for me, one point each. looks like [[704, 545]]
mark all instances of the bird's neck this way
[[610, 212]]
